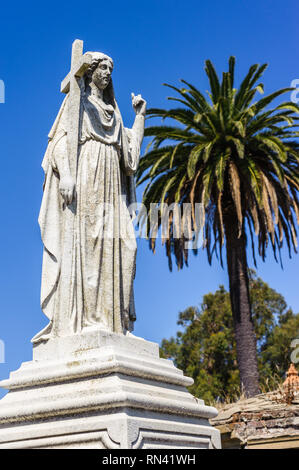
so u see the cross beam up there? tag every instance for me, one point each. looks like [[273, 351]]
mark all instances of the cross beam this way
[[81, 67]]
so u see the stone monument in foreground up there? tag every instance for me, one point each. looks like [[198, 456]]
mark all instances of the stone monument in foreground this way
[[92, 383]]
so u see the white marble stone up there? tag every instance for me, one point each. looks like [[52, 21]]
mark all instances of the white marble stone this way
[[89, 241], [102, 390]]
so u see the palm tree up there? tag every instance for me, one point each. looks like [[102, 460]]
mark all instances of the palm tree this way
[[240, 160]]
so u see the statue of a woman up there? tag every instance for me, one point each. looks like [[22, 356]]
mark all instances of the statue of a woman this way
[[104, 246]]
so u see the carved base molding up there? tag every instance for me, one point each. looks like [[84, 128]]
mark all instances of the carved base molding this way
[[104, 391]]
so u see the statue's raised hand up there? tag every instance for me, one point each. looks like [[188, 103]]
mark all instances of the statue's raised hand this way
[[139, 104], [67, 189]]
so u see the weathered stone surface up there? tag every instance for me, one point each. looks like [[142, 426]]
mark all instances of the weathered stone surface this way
[[116, 395], [85, 218], [266, 420]]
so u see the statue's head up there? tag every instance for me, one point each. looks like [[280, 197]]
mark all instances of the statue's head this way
[[99, 73]]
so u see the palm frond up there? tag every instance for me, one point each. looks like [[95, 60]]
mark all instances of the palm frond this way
[[236, 157]]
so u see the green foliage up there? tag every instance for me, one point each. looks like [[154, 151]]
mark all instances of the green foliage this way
[[231, 153], [205, 348]]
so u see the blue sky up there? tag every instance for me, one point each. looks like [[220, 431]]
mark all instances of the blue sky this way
[[151, 43]]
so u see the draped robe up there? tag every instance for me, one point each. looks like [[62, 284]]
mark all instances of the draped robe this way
[[104, 249]]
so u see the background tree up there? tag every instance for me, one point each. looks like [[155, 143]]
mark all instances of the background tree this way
[[205, 348], [237, 158]]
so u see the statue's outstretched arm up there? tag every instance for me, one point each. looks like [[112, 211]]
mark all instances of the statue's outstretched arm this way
[[139, 106]]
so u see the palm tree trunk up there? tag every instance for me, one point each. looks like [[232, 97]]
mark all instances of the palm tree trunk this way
[[241, 308]]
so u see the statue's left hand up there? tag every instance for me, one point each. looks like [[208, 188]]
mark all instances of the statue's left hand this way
[[139, 104]]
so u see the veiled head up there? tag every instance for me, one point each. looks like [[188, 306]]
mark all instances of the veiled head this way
[[99, 74], [100, 70]]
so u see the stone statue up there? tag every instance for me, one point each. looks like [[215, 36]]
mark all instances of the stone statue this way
[[86, 227]]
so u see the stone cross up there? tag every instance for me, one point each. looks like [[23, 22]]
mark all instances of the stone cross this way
[[71, 85], [79, 65]]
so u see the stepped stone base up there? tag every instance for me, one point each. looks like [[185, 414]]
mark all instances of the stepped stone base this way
[[104, 391]]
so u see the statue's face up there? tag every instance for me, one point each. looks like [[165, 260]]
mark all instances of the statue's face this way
[[102, 74]]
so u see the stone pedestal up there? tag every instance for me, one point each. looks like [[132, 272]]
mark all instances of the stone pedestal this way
[[105, 391]]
